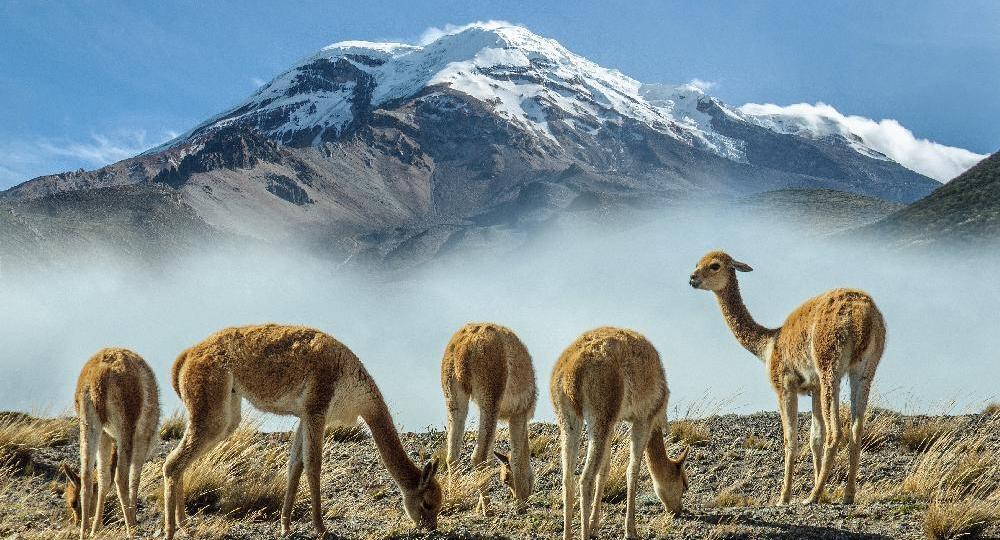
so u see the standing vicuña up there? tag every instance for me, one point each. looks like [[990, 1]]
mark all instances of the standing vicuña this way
[[287, 370], [489, 364], [837, 333], [117, 403], [607, 376]]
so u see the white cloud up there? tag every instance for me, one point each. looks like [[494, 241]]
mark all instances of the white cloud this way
[[886, 136], [257, 82], [21, 160], [433, 33], [704, 86]]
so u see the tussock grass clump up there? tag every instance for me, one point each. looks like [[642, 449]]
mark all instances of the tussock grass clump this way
[[173, 426], [754, 442], [462, 490], [918, 436], [959, 519], [244, 476], [689, 432], [991, 409], [342, 433], [20, 434], [544, 445], [730, 498]]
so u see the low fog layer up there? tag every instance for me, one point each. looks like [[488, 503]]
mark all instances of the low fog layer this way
[[943, 344]]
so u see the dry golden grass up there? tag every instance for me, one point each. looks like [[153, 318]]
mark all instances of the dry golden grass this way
[[730, 498], [173, 426], [544, 445], [754, 442], [462, 491], [991, 409], [920, 435], [20, 434], [244, 476], [688, 432], [959, 519], [341, 433]]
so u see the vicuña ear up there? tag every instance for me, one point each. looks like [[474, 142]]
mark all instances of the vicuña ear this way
[[70, 474], [503, 458], [742, 266], [679, 460]]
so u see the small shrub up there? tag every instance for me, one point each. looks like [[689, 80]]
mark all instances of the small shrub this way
[[341, 433], [688, 432], [958, 519], [173, 427], [729, 498], [754, 442], [918, 436]]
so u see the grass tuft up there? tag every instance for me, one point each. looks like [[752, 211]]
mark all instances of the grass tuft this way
[[21, 434], [919, 436], [173, 427], [991, 409], [959, 519], [341, 433], [689, 432], [242, 477]]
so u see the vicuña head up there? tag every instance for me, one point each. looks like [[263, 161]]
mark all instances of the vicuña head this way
[[716, 271], [838, 333]]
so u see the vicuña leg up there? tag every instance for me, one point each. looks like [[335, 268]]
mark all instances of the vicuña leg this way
[[458, 411], [520, 456], [597, 453], [104, 477], [312, 458], [788, 404], [596, 509], [640, 439], [830, 400], [125, 455], [294, 475], [488, 416], [860, 387], [817, 434], [90, 435], [570, 429], [209, 417]]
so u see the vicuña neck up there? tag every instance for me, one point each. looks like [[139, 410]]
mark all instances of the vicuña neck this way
[[656, 453], [751, 335], [390, 449]]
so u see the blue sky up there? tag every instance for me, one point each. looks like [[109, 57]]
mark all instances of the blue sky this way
[[85, 83]]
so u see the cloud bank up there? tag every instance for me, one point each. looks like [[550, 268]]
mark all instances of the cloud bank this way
[[433, 33], [888, 136]]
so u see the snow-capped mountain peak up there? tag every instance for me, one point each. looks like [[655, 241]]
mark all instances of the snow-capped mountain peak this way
[[527, 79]]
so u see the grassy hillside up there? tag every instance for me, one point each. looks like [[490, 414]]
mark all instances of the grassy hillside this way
[[921, 477], [965, 211]]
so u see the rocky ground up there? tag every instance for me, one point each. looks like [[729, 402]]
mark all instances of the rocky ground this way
[[918, 476]]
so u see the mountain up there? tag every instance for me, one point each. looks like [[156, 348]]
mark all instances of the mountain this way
[[481, 134], [965, 211]]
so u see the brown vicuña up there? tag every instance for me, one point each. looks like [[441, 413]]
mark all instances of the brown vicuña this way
[[287, 370], [840, 332], [488, 364], [117, 404], [607, 376]]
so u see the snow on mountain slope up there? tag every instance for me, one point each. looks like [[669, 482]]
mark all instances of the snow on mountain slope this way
[[885, 139], [529, 81]]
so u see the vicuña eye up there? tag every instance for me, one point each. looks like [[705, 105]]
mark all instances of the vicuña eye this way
[[715, 267]]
